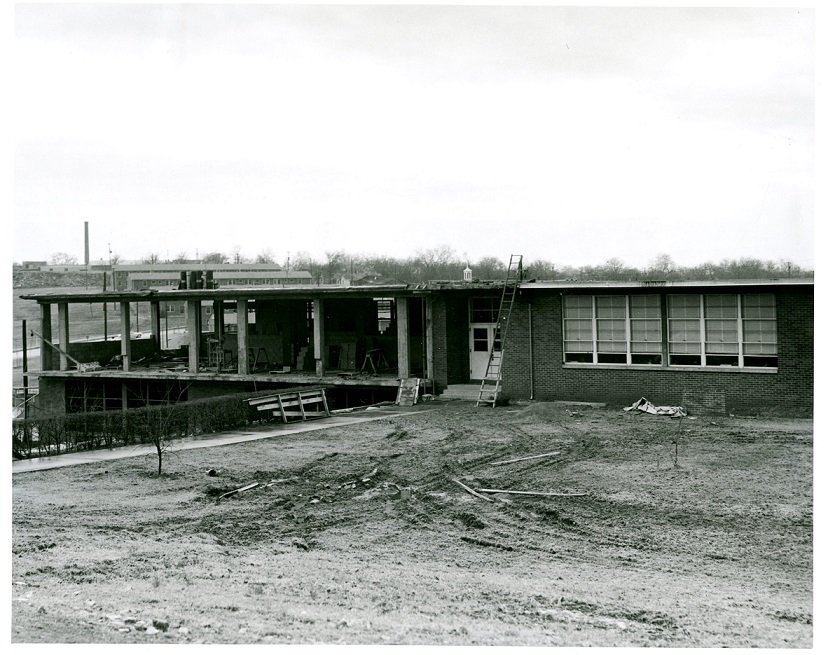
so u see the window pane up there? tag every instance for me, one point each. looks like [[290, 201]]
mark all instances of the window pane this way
[[759, 337], [758, 305], [720, 306], [612, 346], [645, 347], [647, 332], [722, 336], [484, 310], [683, 306], [611, 307], [578, 306], [612, 330], [645, 306], [578, 346], [578, 330], [682, 330]]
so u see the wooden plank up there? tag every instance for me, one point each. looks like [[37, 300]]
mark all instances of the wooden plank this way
[[473, 492], [282, 411], [523, 459], [252, 485], [529, 493], [408, 392]]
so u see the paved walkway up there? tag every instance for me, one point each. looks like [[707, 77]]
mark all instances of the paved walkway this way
[[208, 441]]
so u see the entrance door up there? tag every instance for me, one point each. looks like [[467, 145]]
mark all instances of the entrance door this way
[[482, 336]]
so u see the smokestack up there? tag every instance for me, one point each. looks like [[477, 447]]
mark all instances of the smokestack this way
[[86, 243]]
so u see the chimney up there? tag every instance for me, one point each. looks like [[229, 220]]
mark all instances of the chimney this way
[[86, 243]]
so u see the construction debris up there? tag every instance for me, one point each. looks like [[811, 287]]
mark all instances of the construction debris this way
[[644, 405], [252, 485], [521, 459], [529, 493], [473, 492], [483, 542]]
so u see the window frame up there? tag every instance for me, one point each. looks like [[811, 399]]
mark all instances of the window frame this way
[[760, 319]]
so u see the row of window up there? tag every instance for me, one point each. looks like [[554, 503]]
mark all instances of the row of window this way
[[147, 284], [700, 329]]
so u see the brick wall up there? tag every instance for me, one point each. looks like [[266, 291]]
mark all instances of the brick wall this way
[[790, 389]]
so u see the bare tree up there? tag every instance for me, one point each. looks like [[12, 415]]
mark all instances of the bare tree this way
[[181, 258], [214, 258], [662, 265], [151, 258], [236, 255], [63, 259], [265, 257], [489, 268], [336, 264], [540, 269]]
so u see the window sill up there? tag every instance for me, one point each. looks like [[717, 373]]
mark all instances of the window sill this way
[[659, 367]]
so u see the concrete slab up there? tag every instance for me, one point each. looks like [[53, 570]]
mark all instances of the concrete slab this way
[[253, 433]]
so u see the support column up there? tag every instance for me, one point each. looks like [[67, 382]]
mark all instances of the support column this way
[[193, 311], [126, 332], [155, 324], [429, 337], [218, 319], [241, 333], [46, 360], [63, 334], [319, 336], [403, 356]]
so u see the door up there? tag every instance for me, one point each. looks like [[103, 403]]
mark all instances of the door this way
[[482, 337]]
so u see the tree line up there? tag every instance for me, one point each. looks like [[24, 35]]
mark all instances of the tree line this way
[[444, 263]]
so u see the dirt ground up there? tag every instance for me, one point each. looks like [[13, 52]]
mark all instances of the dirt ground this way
[[691, 533]]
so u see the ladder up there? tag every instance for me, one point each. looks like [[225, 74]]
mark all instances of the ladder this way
[[490, 386]]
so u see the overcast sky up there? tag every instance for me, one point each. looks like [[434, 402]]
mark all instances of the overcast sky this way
[[568, 134]]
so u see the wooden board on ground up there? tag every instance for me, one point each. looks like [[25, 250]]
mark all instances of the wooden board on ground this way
[[408, 392]]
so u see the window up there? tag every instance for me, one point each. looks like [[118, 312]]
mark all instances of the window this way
[[484, 310], [612, 329], [712, 330], [723, 330]]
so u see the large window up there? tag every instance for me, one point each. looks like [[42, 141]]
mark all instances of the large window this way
[[612, 329], [737, 330]]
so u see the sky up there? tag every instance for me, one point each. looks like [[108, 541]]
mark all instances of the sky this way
[[570, 134]]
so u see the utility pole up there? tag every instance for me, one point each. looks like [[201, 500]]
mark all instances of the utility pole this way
[[25, 373], [105, 321]]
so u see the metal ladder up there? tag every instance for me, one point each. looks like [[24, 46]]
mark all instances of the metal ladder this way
[[490, 386]]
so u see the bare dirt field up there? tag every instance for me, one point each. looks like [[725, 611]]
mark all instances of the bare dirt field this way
[[691, 533]]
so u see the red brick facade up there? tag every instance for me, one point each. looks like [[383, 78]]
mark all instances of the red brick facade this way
[[788, 388]]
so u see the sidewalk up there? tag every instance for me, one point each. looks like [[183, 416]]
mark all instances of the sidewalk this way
[[208, 441]]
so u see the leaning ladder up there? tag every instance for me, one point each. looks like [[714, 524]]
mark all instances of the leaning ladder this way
[[490, 386]]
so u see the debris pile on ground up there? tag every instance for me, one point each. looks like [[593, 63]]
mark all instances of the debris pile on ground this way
[[644, 405]]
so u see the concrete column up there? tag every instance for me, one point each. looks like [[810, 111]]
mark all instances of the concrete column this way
[[63, 334], [429, 337], [126, 332], [155, 324], [319, 336], [46, 361], [218, 318], [403, 356], [193, 330], [241, 334]]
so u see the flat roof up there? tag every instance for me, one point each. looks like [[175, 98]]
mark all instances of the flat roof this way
[[311, 291], [670, 284]]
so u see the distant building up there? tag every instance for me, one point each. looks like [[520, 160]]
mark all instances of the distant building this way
[[138, 277]]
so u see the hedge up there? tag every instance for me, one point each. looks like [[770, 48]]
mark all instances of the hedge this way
[[67, 433]]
